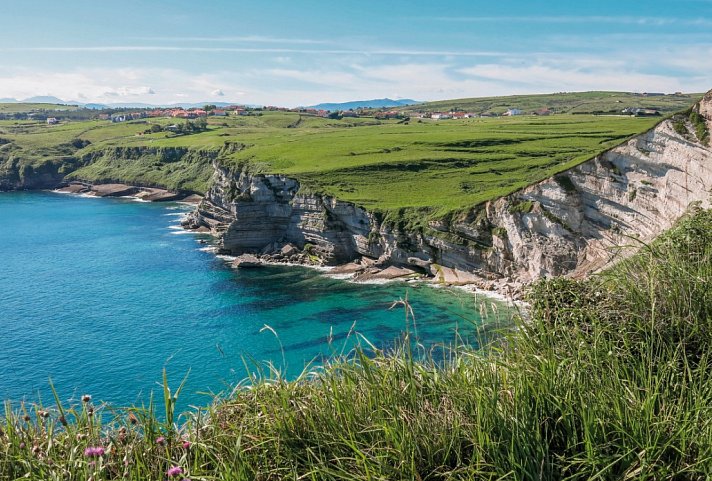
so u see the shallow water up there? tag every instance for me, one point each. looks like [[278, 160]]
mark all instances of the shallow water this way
[[101, 294]]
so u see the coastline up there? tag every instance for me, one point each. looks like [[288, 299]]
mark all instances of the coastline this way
[[364, 272], [138, 193]]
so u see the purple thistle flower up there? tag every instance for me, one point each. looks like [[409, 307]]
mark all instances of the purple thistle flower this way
[[174, 471], [94, 452]]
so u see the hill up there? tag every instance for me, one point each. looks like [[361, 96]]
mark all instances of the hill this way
[[378, 164], [564, 102], [364, 104], [16, 107]]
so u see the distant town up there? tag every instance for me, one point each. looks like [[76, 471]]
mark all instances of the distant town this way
[[55, 115], [122, 115]]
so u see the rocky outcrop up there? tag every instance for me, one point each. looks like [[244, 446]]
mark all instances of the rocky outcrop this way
[[261, 213], [149, 194], [178, 169], [570, 224]]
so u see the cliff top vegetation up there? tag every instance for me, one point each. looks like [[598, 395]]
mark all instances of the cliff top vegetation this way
[[380, 164]]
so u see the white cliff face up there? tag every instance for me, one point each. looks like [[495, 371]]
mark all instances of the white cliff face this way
[[570, 224], [256, 213], [635, 191]]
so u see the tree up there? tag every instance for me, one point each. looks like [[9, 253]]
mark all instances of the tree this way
[[201, 124]]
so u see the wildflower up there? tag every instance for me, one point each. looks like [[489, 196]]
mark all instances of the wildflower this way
[[22, 445], [63, 420], [94, 452], [35, 449], [26, 418], [43, 414], [90, 411], [174, 471], [81, 436], [160, 440], [186, 444], [133, 419], [86, 398]]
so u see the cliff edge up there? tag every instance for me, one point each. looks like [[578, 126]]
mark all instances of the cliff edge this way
[[570, 224]]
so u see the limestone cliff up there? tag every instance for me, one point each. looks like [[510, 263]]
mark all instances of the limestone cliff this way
[[569, 224]]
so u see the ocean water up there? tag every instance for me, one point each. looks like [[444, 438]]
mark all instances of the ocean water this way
[[99, 295]]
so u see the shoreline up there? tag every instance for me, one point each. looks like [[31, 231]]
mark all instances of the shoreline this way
[[127, 191], [350, 271]]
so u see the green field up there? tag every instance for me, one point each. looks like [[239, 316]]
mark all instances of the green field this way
[[27, 108], [565, 102], [384, 165]]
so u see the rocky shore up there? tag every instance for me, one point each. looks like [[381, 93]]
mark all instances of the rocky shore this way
[[572, 224], [149, 194]]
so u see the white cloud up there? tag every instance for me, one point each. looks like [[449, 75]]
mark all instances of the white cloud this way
[[568, 19], [350, 77], [276, 50], [240, 39]]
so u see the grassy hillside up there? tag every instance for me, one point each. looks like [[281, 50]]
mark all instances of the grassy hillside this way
[[27, 108], [565, 102], [385, 165], [610, 379]]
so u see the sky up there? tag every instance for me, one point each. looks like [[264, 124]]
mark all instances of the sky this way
[[302, 52]]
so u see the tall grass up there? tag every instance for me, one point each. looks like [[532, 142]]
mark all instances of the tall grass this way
[[608, 379]]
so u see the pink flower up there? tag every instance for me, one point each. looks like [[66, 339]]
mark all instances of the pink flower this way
[[174, 471], [160, 440], [94, 452], [186, 444]]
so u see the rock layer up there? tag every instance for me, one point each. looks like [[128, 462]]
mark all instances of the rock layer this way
[[569, 224]]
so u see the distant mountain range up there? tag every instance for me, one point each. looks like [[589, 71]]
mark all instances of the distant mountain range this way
[[356, 104], [362, 104]]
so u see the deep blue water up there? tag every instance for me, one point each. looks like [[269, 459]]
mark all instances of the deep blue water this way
[[101, 294]]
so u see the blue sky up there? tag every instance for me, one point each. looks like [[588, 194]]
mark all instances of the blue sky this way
[[302, 52]]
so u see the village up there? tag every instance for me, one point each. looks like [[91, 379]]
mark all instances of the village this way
[[381, 114], [412, 112]]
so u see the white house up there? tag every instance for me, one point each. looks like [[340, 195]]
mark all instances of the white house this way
[[52, 121], [511, 112]]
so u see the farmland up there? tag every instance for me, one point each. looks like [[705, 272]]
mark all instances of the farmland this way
[[384, 165], [564, 102]]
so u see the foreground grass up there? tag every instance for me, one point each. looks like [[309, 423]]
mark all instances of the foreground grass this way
[[609, 379]]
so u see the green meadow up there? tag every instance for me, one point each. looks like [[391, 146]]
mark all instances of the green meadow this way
[[565, 102], [379, 164]]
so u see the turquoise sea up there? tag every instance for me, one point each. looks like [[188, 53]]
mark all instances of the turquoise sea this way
[[101, 294]]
